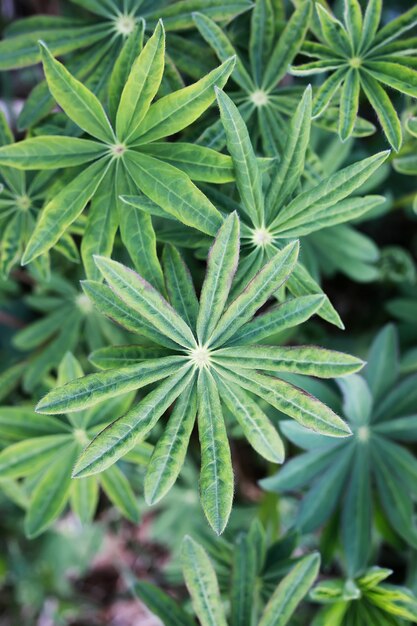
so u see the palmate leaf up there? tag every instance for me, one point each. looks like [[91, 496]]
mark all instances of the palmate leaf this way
[[119, 165], [191, 369], [358, 56]]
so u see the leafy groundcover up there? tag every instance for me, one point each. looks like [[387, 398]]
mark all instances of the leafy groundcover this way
[[208, 313]]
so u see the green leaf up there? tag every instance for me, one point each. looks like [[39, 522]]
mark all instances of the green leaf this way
[[216, 477], [256, 426], [354, 23], [288, 45], [173, 112], [162, 605], [384, 109], [141, 86], [394, 75], [221, 268], [50, 152], [109, 304], [169, 453], [243, 584], [292, 163], [202, 584], [306, 360], [84, 498], [63, 209], [179, 286], [121, 356], [123, 65], [30, 455], [296, 403], [222, 46], [357, 513], [122, 435], [332, 189], [333, 31], [93, 388], [349, 104], [147, 301], [382, 368], [291, 591], [261, 39], [171, 189], [371, 21], [118, 490], [326, 91], [198, 162], [248, 175], [261, 287], [395, 28], [78, 102], [50, 494], [287, 315]]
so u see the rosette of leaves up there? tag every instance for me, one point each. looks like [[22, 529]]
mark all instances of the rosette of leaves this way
[[370, 471], [201, 581], [357, 56], [21, 199], [261, 102], [42, 450], [203, 361], [124, 156], [364, 600], [68, 322], [283, 212], [91, 40]]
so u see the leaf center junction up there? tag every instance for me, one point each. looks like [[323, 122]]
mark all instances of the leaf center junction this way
[[259, 98], [364, 434], [200, 356], [261, 237], [125, 24], [84, 304]]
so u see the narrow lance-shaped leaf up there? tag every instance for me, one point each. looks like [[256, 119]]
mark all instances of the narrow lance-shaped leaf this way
[[121, 70], [78, 102], [179, 286], [120, 493], [63, 209], [50, 152], [256, 426], [216, 478], [93, 388], [175, 111], [142, 297], [248, 175], [169, 453], [261, 287], [221, 267], [142, 85], [296, 403], [291, 591], [122, 435], [202, 584]]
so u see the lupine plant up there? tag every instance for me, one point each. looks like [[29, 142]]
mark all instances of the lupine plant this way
[[208, 305]]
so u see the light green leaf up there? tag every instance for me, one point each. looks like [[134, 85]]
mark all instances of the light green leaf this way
[[349, 104], [221, 268], [30, 455], [384, 109], [256, 426], [63, 209], [216, 477], [117, 488], [50, 152], [394, 75], [93, 388], [173, 112], [179, 286], [78, 102], [169, 453], [261, 287], [248, 175], [353, 20], [370, 24], [262, 32], [202, 584], [171, 189], [50, 494], [291, 591], [298, 404], [288, 314], [121, 69], [141, 86], [84, 498], [122, 435], [306, 360], [143, 298]]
